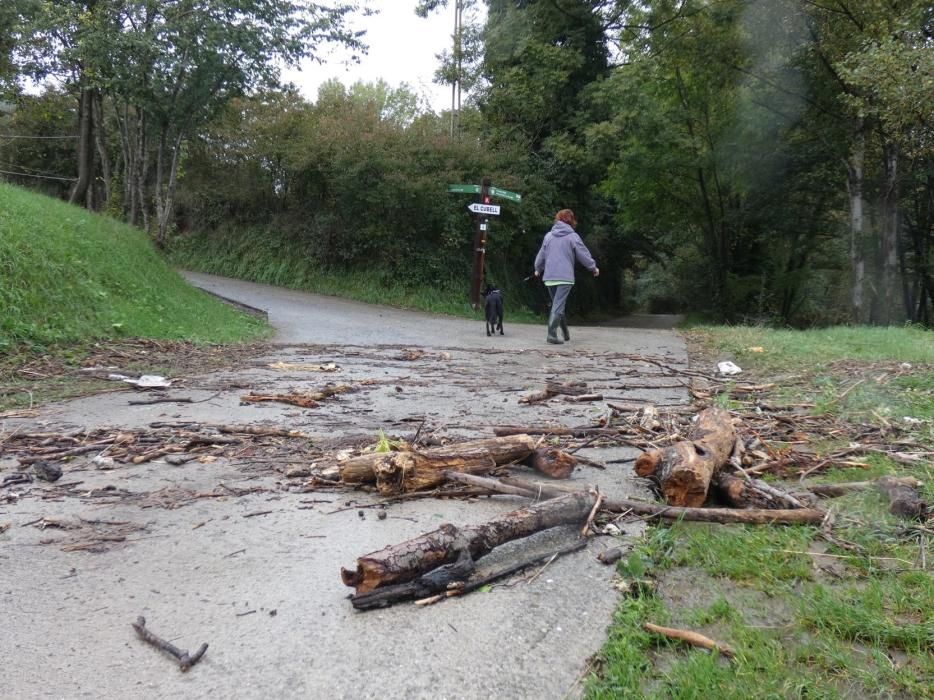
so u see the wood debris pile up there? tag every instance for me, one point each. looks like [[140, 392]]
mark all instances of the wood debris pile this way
[[694, 464]]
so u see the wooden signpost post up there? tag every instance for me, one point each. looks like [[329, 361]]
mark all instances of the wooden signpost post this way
[[482, 210]]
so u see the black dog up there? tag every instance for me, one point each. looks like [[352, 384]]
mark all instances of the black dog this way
[[493, 306]]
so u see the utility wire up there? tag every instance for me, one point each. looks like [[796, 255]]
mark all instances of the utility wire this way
[[17, 136], [27, 169], [44, 177]]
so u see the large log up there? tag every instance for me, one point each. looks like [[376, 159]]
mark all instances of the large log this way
[[408, 560], [539, 489], [474, 456], [684, 470]]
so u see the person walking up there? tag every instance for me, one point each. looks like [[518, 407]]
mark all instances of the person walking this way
[[554, 264]]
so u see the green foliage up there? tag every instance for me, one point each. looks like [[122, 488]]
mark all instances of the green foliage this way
[[70, 275], [341, 188]]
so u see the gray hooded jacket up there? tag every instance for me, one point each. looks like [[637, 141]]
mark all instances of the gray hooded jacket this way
[[561, 247]]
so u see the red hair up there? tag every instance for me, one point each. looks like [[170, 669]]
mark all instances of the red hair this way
[[567, 216]]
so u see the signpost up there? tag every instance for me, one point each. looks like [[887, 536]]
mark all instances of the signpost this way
[[505, 194], [489, 209], [464, 189], [482, 209]]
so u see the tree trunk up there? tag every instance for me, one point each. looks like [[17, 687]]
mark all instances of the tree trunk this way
[[684, 470], [85, 153], [410, 559], [888, 309], [166, 178], [100, 140], [854, 182], [142, 171]]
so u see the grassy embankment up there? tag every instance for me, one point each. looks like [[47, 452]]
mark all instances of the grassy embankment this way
[[69, 277], [273, 260], [807, 617]]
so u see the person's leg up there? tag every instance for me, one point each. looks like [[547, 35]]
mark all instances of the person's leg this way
[[559, 297], [552, 336]]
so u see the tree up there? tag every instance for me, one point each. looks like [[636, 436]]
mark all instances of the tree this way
[[168, 67]]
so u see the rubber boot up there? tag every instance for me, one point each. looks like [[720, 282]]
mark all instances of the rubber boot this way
[[553, 331], [564, 328]]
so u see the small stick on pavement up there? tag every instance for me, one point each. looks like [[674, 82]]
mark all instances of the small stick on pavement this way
[[185, 661], [692, 638], [593, 513]]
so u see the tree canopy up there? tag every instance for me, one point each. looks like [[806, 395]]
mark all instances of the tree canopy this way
[[766, 160]]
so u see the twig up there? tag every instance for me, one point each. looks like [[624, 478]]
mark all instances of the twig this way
[[259, 512], [185, 661], [162, 399], [692, 638], [593, 514]]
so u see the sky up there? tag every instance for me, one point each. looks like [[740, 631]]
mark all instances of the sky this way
[[402, 48]]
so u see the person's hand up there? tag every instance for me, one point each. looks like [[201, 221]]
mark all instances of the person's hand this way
[[536, 273], [596, 272]]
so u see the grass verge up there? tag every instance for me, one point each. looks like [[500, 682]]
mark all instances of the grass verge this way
[[809, 616], [71, 276]]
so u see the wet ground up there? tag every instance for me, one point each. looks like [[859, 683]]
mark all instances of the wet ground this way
[[254, 569]]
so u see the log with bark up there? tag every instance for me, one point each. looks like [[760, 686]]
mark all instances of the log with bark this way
[[409, 560], [684, 470], [410, 470], [538, 489], [752, 493], [554, 388], [449, 581]]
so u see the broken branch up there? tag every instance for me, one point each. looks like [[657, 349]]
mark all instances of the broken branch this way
[[185, 660]]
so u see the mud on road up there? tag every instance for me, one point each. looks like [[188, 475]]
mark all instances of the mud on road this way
[[226, 549]]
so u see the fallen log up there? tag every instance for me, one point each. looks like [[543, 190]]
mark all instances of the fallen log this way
[[553, 388], [309, 399], [752, 493], [408, 560], [538, 489], [408, 470], [448, 581], [684, 470], [483, 454]]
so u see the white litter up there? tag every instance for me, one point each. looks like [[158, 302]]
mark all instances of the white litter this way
[[726, 367], [150, 381], [103, 462]]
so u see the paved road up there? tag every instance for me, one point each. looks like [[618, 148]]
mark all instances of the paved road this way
[[300, 317], [265, 590]]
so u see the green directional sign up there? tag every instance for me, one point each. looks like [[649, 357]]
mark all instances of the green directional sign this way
[[464, 189], [505, 194]]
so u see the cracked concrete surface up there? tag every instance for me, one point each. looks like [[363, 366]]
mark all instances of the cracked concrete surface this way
[[264, 591]]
